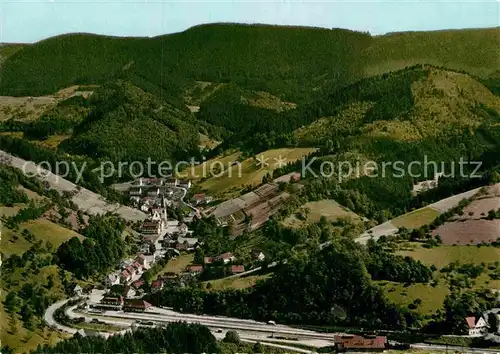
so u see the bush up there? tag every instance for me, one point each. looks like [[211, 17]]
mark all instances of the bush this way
[[232, 337]]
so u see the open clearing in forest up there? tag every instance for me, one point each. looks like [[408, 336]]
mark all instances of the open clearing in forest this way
[[235, 175], [328, 208]]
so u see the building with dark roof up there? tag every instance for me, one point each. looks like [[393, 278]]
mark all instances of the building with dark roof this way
[[360, 343]]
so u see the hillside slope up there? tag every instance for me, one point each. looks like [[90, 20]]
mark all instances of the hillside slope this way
[[290, 62], [127, 124], [473, 50], [408, 105], [418, 113], [282, 60]]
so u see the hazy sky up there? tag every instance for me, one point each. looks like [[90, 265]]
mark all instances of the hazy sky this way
[[32, 20]]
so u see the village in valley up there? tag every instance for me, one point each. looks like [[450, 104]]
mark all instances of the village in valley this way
[[162, 237]]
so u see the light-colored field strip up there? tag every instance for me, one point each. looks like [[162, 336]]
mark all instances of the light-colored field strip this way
[[86, 200], [388, 228]]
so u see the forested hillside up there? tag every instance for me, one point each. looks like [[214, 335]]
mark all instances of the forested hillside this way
[[287, 61], [127, 124], [290, 62], [418, 112]]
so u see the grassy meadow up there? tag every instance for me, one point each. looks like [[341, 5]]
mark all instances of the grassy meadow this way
[[249, 171], [236, 283], [416, 219], [315, 210]]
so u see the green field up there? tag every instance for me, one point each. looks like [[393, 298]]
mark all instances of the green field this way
[[251, 171], [236, 283], [432, 297], [179, 264], [328, 208], [416, 219], [443, 255]]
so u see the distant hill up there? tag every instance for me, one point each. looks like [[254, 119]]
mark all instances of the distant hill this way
[[407, 105], [127, 124], [403, 116], [289, 62], [283, 60]]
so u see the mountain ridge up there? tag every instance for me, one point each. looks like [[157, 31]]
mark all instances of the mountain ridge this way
[[288, 61]]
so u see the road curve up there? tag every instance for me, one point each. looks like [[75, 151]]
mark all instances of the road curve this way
[[49, 317]]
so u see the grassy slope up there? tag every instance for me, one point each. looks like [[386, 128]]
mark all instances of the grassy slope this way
[[236, 283], [43, 229], [251, 172], [433, 297], [327, 207], [23, 339], [444, 255], [179, 264], [416, 219]]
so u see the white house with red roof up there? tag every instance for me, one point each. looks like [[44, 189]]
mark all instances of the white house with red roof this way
[[477, 328]]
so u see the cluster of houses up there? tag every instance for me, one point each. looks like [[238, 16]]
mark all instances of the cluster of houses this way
[[147, 191], [129, 270], [226, 259], [160, 237]]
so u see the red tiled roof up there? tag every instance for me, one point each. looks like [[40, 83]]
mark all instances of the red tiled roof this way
[[137, 265], [471, 322], [157, 284], [237, 269], [208, 260], [138, 283], [125, 274], [358, 342], [150, 224], [194, 268]]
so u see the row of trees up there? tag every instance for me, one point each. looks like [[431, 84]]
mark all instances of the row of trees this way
[[174, 338]]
